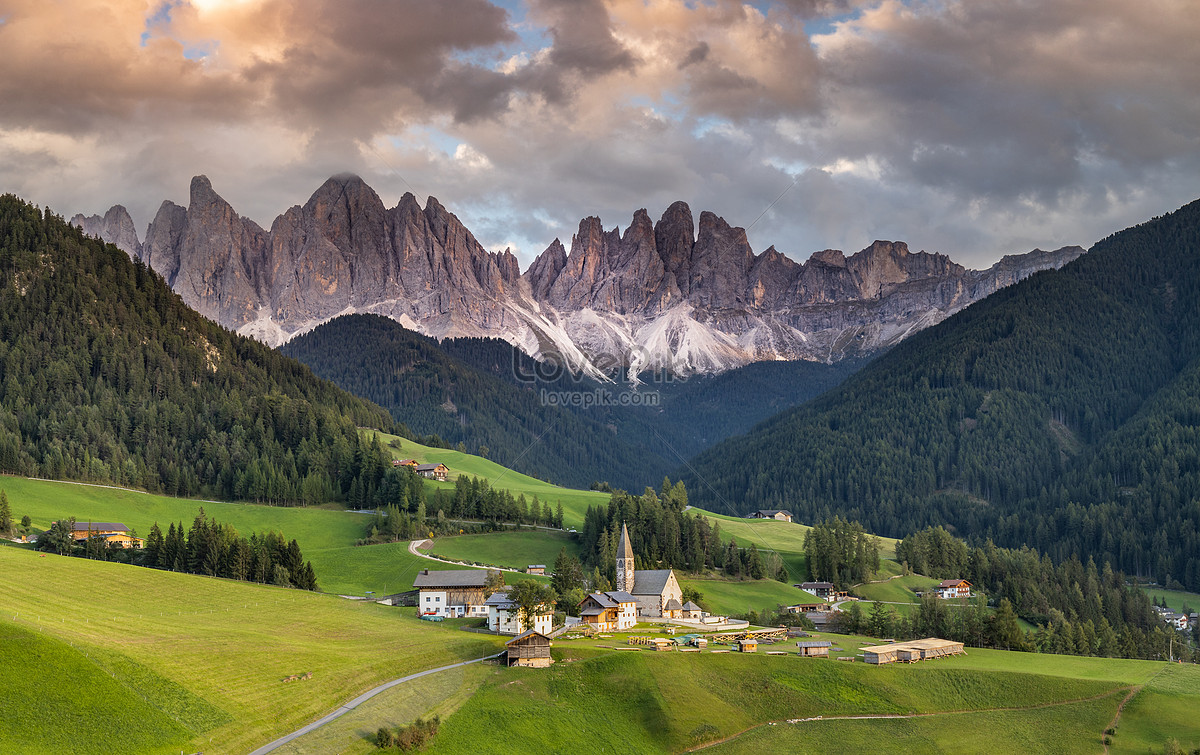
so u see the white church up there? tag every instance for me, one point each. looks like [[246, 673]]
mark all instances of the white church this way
[[656, 590]]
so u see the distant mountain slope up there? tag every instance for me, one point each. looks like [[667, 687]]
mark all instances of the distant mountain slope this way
[[105, 375], [1060, 412], [684, 295], [487, 394], [432, 392]]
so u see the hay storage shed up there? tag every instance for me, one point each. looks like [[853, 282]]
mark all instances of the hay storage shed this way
[[530, 649]]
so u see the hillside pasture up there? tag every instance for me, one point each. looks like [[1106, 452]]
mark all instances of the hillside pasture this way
[[513, 549], [217, 651], [730, 598], [666, 702], [575, 502], [326, 536]]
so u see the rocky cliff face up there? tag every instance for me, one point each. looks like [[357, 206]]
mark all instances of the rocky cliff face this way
[[116, 228], [676, 294]]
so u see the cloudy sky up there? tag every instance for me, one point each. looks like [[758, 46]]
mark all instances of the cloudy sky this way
[[972, 127]]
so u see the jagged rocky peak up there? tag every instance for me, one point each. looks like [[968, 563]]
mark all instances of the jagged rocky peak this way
[[686, 295], [545, 269], [116, 228]]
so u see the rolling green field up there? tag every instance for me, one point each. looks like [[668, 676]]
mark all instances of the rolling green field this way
[[722, 597], [898, 590], [1060, 729], [667, 702], [1175, 598], [575, 502], [210, 654], [440, 694], [326, 536], [1166, 707], [512, 549], [47, 680]]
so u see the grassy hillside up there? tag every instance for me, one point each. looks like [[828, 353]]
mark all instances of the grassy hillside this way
[[1175, 598], [514, 550], [326, 536], [575, 502], [659, 702], [210, 653], [110, 377], [48, 681], [728, 598]]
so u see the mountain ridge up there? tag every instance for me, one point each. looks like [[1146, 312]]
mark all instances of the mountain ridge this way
[[677, 295]]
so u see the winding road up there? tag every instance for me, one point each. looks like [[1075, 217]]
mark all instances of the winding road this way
[[343, 710]]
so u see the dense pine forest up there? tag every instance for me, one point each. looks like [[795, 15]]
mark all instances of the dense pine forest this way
[[488, 395], [436, 394], [1059, 413], [106, 376]]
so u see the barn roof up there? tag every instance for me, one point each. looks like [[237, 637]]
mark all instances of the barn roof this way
[[99, 526], [815, 644], [451, 578], [953, 582], [528, 634], [650, 581], [499, 599]]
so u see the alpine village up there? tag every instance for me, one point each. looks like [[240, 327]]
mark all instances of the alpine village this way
[[354, 470]]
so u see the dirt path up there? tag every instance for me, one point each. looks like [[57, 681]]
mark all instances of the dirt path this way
[[1112, 725], [882, 716]]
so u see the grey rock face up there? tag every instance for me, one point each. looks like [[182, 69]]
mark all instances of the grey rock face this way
[[116, 228], [673, 294]]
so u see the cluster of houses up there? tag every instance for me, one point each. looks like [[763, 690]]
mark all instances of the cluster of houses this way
[[1179, 621], [428, 471]]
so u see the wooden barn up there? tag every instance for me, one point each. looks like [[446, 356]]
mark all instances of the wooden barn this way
[[814, 648], [748, 646], [911, 651], [531, 649]]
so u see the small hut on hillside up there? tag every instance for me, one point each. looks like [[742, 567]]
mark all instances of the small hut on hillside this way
[[530, 649]]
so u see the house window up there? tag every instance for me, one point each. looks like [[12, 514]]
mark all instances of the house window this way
[[439, 600]]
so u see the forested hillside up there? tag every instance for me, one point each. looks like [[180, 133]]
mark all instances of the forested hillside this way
[[488, 395], [434, 393], [1059, 413], [105, 375]]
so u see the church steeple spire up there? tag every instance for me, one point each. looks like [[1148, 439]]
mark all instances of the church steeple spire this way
[[624, 562]]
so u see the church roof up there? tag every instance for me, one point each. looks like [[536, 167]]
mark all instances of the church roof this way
[[650, 581], [624, 549], [673, 605], [690, 606]]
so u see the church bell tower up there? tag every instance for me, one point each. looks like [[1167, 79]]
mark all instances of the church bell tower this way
[[624, 562]]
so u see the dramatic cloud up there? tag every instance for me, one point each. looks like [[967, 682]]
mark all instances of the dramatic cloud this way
[[976, 129]]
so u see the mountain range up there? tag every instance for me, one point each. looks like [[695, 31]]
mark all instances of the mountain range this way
[[677, 295]]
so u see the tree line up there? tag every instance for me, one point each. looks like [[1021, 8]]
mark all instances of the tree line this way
[[664, 535], [1057, 413], [106, 376], [208, 547]]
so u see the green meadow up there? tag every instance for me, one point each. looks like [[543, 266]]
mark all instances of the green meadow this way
[[897, 590], [326, 535], [513, 549], [726, 597], [1175, 598], [575, 502], [668, 702], [209, 655]]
